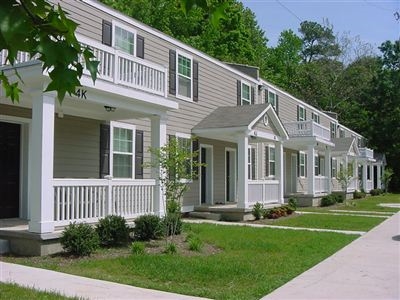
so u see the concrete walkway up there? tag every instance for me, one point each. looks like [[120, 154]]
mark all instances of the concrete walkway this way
[[76, 286], [368, 268]]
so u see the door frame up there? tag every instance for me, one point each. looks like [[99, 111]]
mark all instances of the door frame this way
[[209, 173], [293, 173], [25, 162], [234, 170]]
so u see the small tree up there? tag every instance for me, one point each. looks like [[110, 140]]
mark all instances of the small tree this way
[[344, 177], [178, 166], [386, 178]]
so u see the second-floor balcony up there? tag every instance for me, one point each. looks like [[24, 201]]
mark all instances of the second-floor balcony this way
[[366, 153], [118, 67], [307, 129]]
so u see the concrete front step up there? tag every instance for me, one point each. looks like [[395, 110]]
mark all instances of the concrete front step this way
[[205, 215], [4, 246]]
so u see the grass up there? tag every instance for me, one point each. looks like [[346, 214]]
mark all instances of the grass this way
[[325, 221], [370, 203], [9, 291], [252, 262]]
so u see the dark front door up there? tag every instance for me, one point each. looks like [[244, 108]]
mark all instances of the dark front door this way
[[203, 179], [9, 169], [228, 176]]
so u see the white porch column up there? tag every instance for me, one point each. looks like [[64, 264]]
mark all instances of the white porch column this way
[[328, 171], [364, 176], [41, 156], [242, 186], [355, 174], [279, 169], [311, 170], [158, 139], [378, 177]]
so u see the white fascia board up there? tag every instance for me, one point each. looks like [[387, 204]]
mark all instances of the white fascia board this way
[[269, 110], [220, 130], [129, 93], [165, 37], [265, 135]]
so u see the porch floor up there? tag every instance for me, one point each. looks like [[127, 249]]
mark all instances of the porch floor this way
[[14, 224]]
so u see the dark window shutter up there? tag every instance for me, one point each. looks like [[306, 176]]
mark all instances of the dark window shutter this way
[[104, 150], [253, 163], [266, 161], [195, 81], [298, 113], [252, 95], [172, 72], [298, 163], [195, 148], [107, 33], [140, 46], [266, 96], [305, 114], [239, 92], [305, 164], [277, 104], [139, 154]]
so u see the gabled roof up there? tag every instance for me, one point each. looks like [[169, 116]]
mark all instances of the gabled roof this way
[[239, 118], [345, 145]]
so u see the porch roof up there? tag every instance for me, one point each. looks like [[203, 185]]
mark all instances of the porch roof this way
[[345, 145], [224, 122]]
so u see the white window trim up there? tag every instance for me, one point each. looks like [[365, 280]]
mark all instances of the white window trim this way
[[269, 161], [127, 28], [315, 117], [317, 170], [267, 100], [334, 131], [249, 163], [300, 164], [188, 56], [115, 124], [241, 92], [334, 167], [301, 119], [189, 137]]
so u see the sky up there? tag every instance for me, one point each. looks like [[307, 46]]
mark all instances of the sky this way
[[372, 20]]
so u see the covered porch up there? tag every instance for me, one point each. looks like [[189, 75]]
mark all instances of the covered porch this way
[[66, 155]]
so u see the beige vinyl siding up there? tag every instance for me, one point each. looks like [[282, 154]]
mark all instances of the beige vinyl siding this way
[[76, 147], [15, 111]]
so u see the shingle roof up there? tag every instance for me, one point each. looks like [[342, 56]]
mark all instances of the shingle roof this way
[[231, 116], [342, 144]]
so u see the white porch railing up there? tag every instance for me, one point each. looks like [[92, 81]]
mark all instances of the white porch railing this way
[[321, 184], [263, 191], [366, 153], [91, 199], [307, 129], [369, 185], [118, 67], [352, 185]]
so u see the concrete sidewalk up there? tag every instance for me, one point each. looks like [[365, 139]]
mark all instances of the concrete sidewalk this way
[[76, 286], [368, 268]]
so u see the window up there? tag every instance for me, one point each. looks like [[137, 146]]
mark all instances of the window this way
[[185, 76], [251, 163], [184, 143], [270, 161], [350, 168], [368, 172], [315, 117], [302, 164], [334, 167], [246, 94], [122, 150], [317, 166], [333, 130], [272, 98], [301, 113], [124, 38]]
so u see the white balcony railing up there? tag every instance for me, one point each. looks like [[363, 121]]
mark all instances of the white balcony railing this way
[[118, 67], [321, 184], [366, 153], [307, 129], [91, 199], [263, 191]]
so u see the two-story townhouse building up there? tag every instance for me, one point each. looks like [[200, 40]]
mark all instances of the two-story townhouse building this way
[[83, 159]]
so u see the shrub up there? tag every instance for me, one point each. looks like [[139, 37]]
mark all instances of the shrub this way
[[147, 227], [277, 212], [258, 210], [79, 239], [358, 195], [339, 197], [376, 192], [292, 202], [170, 248], [137, 248], [172, 224], [195, 244], [113, 231], [328, 200]]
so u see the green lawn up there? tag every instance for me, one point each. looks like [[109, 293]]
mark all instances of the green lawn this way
[[370, 203], [326, 221], [10, 291], [252, 262]]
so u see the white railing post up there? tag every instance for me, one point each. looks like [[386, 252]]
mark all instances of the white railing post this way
[[109, 193], [311, 170]]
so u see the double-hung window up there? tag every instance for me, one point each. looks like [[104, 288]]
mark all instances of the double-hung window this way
[[246, 94], [301, 116], [124, 38], [184, 143], [333, 130], [184, 75], [302, 164], [315, 117], [334, 167], [271, 98], [270, 161], [123, 156], [251, 163]]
